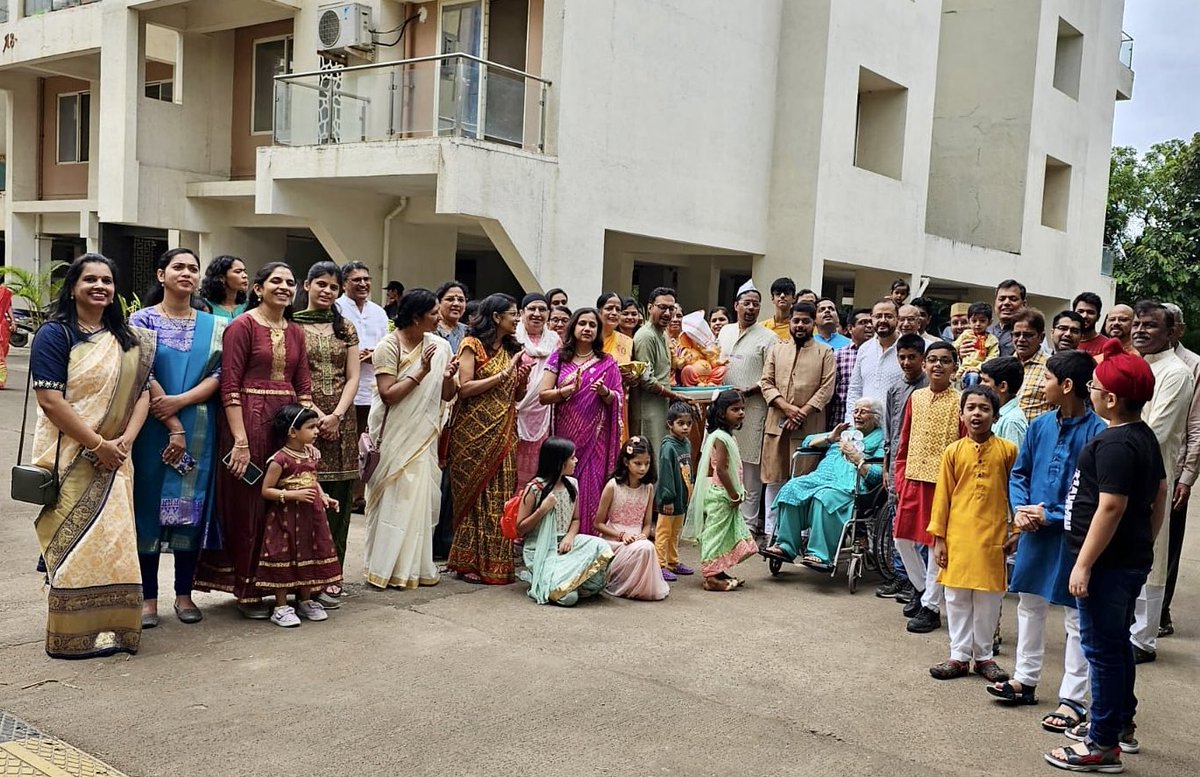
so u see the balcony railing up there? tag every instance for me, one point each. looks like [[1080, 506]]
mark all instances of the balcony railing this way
[[450, 95], [1126, 50], [43, 6]]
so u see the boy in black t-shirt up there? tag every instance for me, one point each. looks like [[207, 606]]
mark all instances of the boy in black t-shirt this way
[[1114, 510]]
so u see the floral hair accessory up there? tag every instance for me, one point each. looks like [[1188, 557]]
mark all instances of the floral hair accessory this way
[[716, 393]]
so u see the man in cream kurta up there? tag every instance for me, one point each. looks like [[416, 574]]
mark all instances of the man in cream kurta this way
[[797, 382], [1166, 413], [744, 347]]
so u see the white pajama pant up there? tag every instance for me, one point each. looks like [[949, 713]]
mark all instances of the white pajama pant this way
[[922, 576], [752, 506], [773, 490], [972, 617], [1146, 617], [1031, 648]]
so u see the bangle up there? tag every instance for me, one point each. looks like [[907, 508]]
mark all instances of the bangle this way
[[281, 493], [96, 447], [176, 434], [243, 446]]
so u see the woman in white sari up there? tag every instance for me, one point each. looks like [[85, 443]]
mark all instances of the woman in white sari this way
[[404, 494], [533, 418]]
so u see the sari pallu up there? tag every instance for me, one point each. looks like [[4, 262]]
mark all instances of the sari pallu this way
[[88, 538], [533, 418], [174, 511], [404, 496], [593, 426], [483, 470]]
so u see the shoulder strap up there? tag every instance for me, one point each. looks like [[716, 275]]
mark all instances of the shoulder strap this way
[[387, 409], [25, 415]]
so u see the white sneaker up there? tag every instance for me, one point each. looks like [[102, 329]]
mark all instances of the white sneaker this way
[[311, 610], [285, 616]]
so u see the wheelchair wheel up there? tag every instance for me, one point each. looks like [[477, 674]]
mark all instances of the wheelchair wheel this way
[[774, 565], [882, 547], [854, 571]]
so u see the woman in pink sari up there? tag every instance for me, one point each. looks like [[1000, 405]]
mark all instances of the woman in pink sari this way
[[583, 383]]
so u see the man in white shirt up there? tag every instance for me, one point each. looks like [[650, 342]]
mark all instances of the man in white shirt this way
[[876, 368], [371, 322], [1167, 414]]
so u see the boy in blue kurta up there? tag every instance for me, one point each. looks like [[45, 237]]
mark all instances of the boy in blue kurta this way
[[1037, 491]]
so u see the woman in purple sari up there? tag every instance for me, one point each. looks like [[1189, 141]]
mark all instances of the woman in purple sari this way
[[583, 383]]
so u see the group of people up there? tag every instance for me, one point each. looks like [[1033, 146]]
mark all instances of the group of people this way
[[254, 410]]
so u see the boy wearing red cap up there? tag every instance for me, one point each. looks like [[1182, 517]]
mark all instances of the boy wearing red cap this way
[[1114, 510]]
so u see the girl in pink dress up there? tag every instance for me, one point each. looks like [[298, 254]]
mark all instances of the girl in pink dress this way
[[623, 518]]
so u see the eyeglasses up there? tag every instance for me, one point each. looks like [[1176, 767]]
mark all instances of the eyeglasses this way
[[366, 279], [949, 360], [1091, 386], [1024, 335], [664, 307], [1067, 330]]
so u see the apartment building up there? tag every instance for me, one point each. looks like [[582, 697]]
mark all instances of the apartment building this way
[[587, 144]]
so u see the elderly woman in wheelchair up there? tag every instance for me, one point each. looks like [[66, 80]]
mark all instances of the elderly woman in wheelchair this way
[[823, 501]]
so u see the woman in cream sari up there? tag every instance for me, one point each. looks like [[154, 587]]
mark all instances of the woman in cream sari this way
[[91, 373], [404, 494]]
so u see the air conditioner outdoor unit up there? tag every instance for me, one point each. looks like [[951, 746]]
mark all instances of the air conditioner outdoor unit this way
[[344, 26]]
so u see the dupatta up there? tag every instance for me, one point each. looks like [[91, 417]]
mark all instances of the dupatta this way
[[693, 527], [533, 418]]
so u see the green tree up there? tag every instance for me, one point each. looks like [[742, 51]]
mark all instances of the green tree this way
[[1153, 222]]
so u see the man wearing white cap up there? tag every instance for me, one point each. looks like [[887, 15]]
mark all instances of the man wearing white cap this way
[[744, 347]]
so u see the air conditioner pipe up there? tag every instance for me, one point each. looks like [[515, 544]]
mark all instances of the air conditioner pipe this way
[[386, 264]]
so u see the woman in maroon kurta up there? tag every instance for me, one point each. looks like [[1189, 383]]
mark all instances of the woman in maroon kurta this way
[[264, 365]]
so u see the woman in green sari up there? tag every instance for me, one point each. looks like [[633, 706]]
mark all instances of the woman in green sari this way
[[715, 517], [91, 372]]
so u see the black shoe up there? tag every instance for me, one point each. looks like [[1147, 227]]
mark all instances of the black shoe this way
[[907, 593], [911, 608], [1143, 656], [889, 590], [925, 621], [1166, 629]]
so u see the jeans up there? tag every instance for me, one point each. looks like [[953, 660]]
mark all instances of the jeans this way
[[1104, 620]]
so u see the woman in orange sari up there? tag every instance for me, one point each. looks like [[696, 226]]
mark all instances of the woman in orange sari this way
[[618, 345], [483, 442]]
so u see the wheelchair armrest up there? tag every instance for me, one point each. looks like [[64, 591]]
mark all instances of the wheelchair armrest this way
[[809, 452], [874, 460]]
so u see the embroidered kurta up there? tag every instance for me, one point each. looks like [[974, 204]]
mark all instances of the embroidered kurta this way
[[1043, 475], [804, 377], [931, 424], [327, 362], [970, 511], [745, 351]]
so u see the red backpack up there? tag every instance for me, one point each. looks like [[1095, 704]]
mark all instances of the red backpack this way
[[512, 508]]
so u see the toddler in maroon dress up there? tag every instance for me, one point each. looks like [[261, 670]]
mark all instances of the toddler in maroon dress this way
[[297, 547]]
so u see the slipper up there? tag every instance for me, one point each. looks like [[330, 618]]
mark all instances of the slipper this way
[[778, 555], [470, 577], [812, 562], [1096, 759], [719, 584]]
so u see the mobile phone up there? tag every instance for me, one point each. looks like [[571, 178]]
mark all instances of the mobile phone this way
[[252, 474], [185, 465]]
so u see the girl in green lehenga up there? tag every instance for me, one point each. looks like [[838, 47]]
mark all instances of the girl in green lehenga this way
[[715, 518], [563, 564]]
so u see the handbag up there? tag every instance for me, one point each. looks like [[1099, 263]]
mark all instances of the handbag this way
[[368, 451], [30, 483]]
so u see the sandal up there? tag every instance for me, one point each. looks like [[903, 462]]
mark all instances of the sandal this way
[[334, 590], [949, 670], [1092, 758], [1068, 720], [775, 553], [991, 671], [470, 577], [720, 584], [1007, 693]]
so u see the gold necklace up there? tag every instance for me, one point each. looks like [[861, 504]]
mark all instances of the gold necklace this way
[[269, 325], [297, 456], [177, 322]]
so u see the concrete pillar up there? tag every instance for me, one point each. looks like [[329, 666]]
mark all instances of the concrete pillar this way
[[114, 152], [421, 255], [618, 270], [22, 119], [20, 244], [255, 247], [182, 238]]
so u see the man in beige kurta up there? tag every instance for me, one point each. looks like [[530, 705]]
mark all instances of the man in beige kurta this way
[[797, 383], [744, 346]]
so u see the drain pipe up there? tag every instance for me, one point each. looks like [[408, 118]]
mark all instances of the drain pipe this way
[[387, 243]]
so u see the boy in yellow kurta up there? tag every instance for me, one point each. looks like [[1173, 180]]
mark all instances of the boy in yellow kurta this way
[[970, 525]]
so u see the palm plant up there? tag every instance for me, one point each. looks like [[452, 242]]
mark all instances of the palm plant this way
[[39, 289]]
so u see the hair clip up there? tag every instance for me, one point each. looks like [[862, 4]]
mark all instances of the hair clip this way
[[716, 393]]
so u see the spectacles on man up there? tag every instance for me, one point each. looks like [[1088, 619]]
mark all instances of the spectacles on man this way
[[360, 279], [1024, 335], [1091, 386], [664, 307], [949, 360]]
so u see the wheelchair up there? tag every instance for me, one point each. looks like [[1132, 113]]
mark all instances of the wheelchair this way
[[866, 540]]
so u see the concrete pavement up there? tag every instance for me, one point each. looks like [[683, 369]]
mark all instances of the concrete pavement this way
[[791, 675]]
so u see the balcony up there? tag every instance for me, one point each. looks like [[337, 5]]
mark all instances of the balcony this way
[[453, 95], [1125, 71]]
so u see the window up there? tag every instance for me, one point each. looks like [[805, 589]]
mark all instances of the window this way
[[1056, 194], [1068, 59], [881, 119], [272, 57], [161, 90], [74, 125]]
